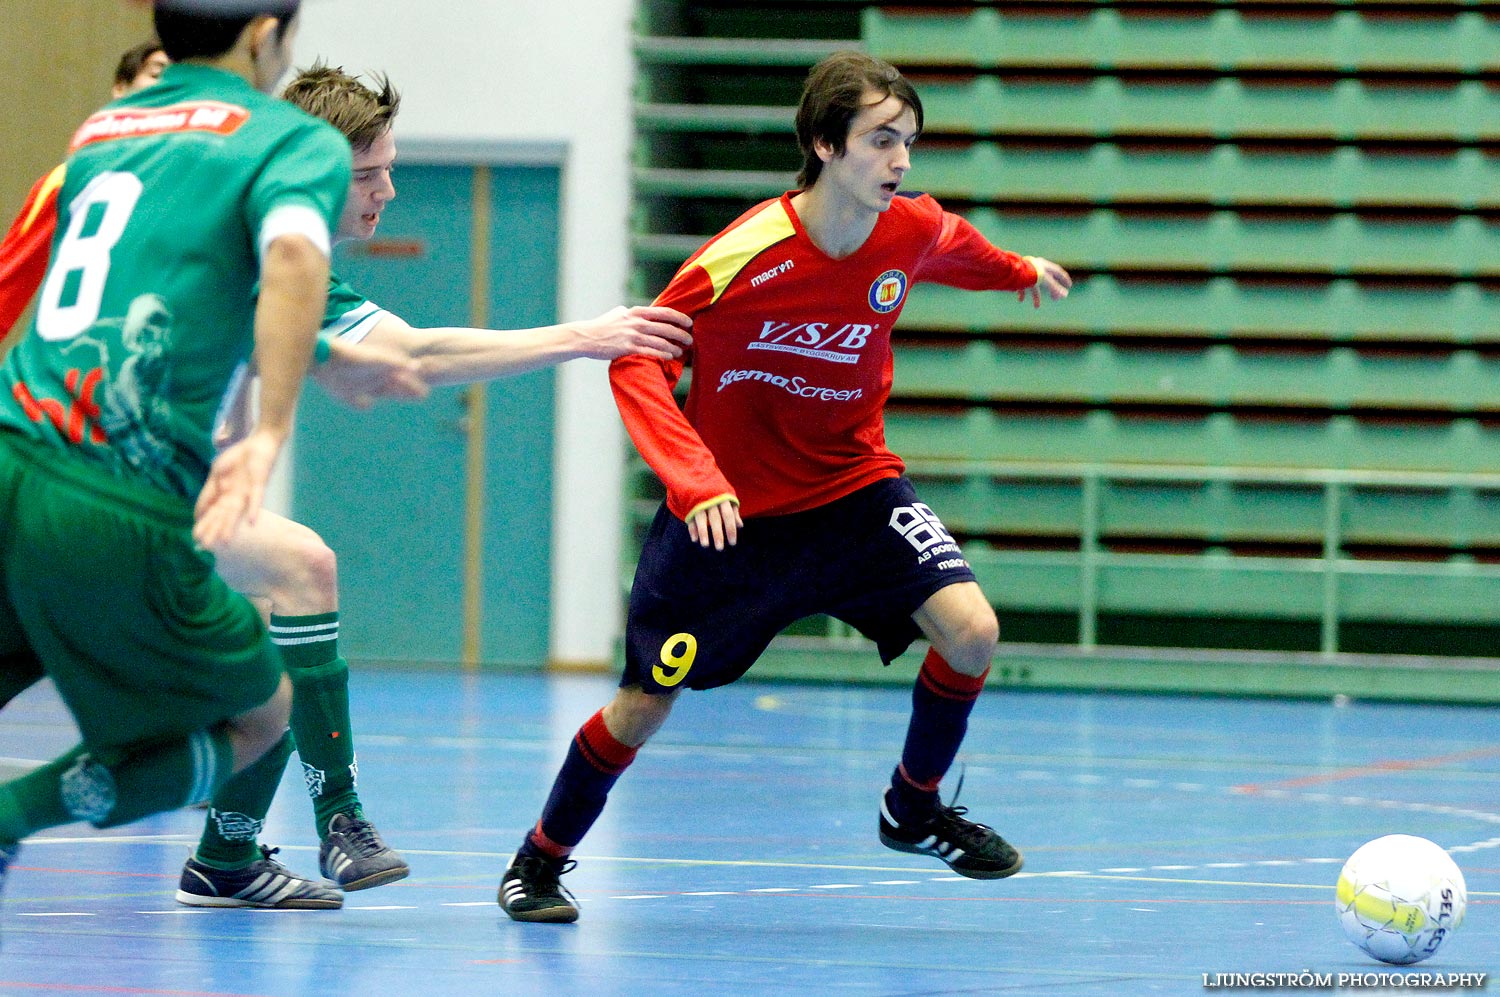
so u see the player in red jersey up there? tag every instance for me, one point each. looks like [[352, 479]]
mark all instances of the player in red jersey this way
[[23, 252], [783, 500]]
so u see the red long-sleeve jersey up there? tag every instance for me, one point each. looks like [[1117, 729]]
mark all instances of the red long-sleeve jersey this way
[[26, 249], [792, 355]]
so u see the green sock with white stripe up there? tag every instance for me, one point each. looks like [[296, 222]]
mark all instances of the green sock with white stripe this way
[[238, 810], [320, 712]]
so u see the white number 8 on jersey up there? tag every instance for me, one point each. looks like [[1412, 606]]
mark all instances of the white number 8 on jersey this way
[[86, 255]]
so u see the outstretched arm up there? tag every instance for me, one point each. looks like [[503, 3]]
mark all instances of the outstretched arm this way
[[358, 373], [465, 356], [962, 257]]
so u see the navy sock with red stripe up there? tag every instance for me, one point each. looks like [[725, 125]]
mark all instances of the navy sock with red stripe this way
[[595, 761], [940, 707]]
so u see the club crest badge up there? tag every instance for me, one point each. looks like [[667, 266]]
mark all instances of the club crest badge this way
[[888, 291]]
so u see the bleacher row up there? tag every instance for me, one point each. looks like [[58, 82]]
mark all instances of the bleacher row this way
[[1272, 396]]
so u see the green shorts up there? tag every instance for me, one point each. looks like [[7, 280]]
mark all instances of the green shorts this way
[[100, 582]]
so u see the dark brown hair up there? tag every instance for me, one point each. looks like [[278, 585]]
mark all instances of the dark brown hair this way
[[361, 113], [834, 95], [129, 66]]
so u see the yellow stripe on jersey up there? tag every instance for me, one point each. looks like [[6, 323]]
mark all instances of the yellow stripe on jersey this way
[[728, 255], [53, 181]]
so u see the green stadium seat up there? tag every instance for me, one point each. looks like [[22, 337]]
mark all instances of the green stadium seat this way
[[1225, 40], [1225, 241], [752, 119], [657, 50], [1213, 506], [1333, 310], [1221, 375], [1106, 173], [1216, 109], [1202, 440]]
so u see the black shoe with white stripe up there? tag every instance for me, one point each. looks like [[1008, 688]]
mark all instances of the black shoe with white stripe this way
[[531, 890], [970, 849], [263, 883], [354, 857]]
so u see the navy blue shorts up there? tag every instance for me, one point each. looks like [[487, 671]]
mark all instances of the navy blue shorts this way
[[700, 617]]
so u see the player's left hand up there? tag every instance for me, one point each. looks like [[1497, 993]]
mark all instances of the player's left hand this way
[[358, 373], [1050, 278], [235, 488]]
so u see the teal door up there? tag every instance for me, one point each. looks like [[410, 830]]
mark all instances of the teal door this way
[[440, 512]]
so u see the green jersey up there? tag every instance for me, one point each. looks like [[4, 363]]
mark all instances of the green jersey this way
[[350, 315], [171, 196]]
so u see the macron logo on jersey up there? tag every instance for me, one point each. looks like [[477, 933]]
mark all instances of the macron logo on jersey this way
[[775, 271], [193, 116], [819, 340]]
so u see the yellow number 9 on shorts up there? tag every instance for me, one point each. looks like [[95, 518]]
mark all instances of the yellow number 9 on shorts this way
[[674, 666]]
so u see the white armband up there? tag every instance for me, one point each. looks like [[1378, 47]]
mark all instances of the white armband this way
[[294, 219]]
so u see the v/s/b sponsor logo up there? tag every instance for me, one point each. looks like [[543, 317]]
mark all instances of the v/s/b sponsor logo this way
[[819, 340]]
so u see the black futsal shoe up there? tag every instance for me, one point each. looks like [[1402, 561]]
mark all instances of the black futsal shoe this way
[[532, 891], [263, 883], [354, 856], [970, 849]]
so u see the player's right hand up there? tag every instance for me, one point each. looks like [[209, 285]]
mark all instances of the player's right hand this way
[[235, 488], [718, 524], [647, 330]]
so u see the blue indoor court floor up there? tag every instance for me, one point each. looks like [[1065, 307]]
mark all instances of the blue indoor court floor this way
[[1165, 838]]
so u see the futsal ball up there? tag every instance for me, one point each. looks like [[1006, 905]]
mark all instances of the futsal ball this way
[[1400, 897]]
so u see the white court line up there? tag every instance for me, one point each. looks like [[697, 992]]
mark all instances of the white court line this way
[[120, 839], [378, 907]]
